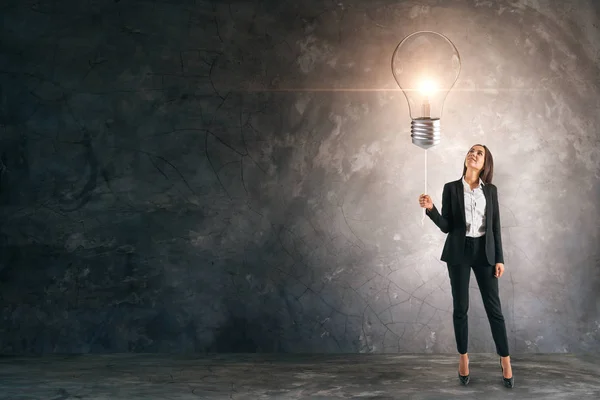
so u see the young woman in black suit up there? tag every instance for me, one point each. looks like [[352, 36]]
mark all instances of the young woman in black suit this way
[[470, 215]]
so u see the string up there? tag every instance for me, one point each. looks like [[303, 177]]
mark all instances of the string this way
[[425, 192]]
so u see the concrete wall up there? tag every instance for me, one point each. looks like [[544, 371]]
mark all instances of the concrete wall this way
[[239, 176]]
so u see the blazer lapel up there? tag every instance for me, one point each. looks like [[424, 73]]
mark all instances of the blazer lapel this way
[[488, 206], [460, 194]]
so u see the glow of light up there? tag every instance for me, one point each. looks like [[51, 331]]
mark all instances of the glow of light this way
[[427, 87]]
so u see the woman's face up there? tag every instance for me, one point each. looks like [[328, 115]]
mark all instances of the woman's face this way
[[475, 158]]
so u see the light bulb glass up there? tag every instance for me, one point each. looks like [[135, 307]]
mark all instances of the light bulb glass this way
[[425, 65]]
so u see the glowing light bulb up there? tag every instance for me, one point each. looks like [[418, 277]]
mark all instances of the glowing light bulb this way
[[425, 65]]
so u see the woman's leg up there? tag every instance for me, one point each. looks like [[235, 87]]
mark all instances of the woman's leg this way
[[488, 287], [459, 281]]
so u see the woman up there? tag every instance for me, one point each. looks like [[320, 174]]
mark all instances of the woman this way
[[471, 217]]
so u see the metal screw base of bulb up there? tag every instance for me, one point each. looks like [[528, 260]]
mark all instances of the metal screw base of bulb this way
[[425, 132]]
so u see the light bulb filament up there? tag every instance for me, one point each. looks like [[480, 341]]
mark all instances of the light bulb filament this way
[[426, 108], [427, 89]]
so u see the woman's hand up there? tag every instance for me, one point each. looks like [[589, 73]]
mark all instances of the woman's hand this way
[[425, 202], [499, 270]]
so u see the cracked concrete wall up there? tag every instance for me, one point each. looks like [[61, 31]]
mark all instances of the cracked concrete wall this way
[[239, 176]]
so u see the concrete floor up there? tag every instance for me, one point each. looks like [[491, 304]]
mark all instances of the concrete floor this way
[[283, 376]]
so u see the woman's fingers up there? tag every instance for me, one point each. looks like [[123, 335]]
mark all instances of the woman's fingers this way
[[425, 201]]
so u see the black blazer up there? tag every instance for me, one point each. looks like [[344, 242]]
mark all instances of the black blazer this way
[[453, 222]]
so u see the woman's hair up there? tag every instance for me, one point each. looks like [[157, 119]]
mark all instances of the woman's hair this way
[[487, 172]]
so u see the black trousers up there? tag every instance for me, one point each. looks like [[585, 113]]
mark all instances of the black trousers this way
[[460, 275]]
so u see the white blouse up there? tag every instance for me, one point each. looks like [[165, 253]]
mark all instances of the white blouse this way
[[474, 209]]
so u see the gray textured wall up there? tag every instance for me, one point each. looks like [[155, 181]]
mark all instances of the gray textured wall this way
[[239, 176]]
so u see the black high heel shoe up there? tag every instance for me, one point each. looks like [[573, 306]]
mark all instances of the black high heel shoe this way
[[508, 382], [464, 380]]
